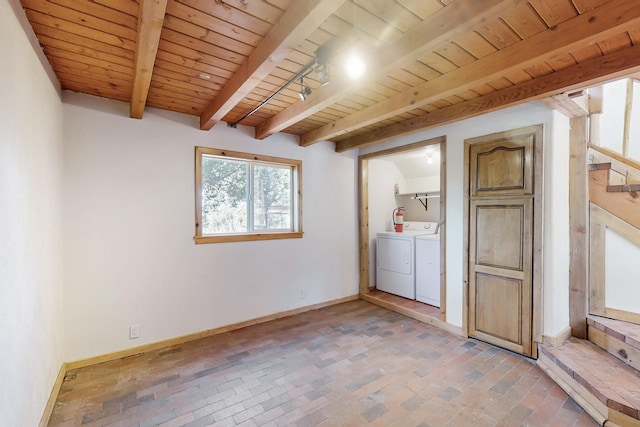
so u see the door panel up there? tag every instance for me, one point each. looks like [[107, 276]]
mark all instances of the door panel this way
[[505, 225], [501, 243], [501, 302], [502, 168]]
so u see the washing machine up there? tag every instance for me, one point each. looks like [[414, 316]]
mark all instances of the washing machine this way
[[396, 258], [427, 250]]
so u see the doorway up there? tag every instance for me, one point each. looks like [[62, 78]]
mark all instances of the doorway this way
[[504, 216], [367, 242]]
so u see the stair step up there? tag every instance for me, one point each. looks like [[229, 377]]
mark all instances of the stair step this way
[[613, 188], [619, 338], [629, 188], [623, 205], [606, 387]]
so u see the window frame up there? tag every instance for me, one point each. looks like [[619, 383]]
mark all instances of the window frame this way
[[296, 199]]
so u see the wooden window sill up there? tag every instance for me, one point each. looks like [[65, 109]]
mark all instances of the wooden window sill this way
[[247, 237]]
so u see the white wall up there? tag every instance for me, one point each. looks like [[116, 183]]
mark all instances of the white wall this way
[[383, 175], [415, 211], [129, 227], [620, 266], [30, 217], [556, 243], [556, 237]]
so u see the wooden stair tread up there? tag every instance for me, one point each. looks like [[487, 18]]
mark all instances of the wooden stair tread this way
[[612, 188], [611, 381], [626, 332], [599, 166], [629, 188], [623, 205]]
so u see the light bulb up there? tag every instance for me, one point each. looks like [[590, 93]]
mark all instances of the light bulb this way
[[355, 66]]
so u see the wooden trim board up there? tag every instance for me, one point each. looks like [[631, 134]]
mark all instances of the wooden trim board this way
[[412, 314], [363, 216], [442, 229], [57, 385], [578, 227], [363, 213], [207, 333], [618, 419], [600, 220], [557, 340], [596, 262], [625, 316]]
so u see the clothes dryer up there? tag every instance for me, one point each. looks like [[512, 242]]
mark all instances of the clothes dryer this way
[[396, 259]]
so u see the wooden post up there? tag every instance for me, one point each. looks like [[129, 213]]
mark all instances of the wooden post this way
[[578, 228], [363, 181]]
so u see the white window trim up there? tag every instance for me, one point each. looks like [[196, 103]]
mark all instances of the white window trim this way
[[251, 236]]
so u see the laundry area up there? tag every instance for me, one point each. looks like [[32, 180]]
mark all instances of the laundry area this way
[[404, 224]]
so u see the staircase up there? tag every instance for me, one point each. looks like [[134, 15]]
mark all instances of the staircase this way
[[602, 373], [622, 200]]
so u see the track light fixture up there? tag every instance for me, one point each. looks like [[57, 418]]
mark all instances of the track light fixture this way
[[322, 58], [305, 90], [319, 65], [323, 75]]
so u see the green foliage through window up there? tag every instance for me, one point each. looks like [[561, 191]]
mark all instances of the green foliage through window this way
[[243, 193], [225, 195]]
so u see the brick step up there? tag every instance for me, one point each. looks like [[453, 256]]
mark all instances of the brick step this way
[[607, 388], [619, 338]]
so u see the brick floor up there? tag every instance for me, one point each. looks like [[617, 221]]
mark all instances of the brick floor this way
[[351, 364]]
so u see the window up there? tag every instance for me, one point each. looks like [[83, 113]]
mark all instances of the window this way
[[242, 196], [617, 127], [613, 115]]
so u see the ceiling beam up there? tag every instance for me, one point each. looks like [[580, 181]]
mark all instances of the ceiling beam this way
[[581, 31], [594, 71], [449, 22], [150, 20], [566, 105], [298, 22]]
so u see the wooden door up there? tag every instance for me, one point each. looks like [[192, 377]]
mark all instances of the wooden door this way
[[501, 208]]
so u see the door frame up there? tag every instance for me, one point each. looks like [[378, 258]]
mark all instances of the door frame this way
[[363, 212], [538, 224]]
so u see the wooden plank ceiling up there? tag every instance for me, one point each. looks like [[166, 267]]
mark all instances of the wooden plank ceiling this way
[[429, 62]]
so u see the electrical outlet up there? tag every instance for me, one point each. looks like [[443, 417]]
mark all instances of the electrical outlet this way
[[134, 332], [303, 293]]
